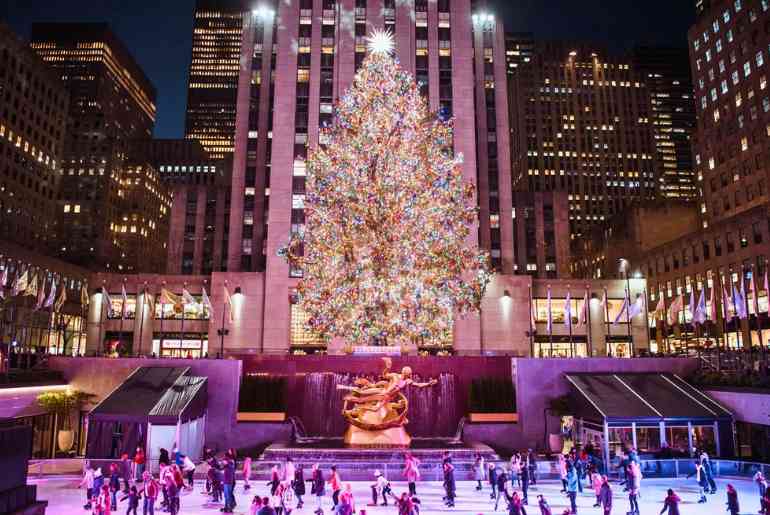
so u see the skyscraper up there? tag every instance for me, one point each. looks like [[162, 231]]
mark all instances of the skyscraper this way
[[110, 205], [33, 116], [213, 80], [581, 123], [666, 72]]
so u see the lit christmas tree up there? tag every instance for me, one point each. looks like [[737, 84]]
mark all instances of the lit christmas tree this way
[[384, 253]]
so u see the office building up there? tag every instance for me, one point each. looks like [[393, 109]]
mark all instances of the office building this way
[[214, 69], [112, 102], [33, 116], [581, 123]]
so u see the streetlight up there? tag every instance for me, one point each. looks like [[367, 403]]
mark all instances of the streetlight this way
[[263, 12]]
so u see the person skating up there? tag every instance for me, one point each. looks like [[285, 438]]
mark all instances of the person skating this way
[[164, 459], [133, 500], [605, 496], [381, 487], [114, 486], [572, 487], [188, 467], [139, 461], [299, 485], [515, 470], [335, 483], [532, 466], [318, 486], [266, 508], [125, 471], [702, 480], [761, 483], [228, 482], [596, 484], [411, 473], [545, 509], [406, 505], [524, 475], [256, 505], [671, 503], [634, 485], [87, 482], [492, 478], [706, 463], [449, 481], [275, 479], [478, 471], [289, 470], [150, 490], [246, 471], [732, 500], [563, 472], [172, 492], [515, 504], [103, 501], [502, 484]]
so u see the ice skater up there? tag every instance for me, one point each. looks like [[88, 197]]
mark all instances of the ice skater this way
[[411, 473]]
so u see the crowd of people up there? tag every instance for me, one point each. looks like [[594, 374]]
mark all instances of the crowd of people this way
[[129, 480]]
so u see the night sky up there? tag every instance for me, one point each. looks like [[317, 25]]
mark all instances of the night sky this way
[[158, 32]]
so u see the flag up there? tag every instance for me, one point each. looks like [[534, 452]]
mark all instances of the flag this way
[[767, 290], [550, 313], [61, 299], [3, 280], [623, 309], [166, 297], [207, 303], [40, 295], [20, 284], [229, 303], [187, 298], [637, 307], [31, 288], [583, 313], [568, 310], [124, 299], [740, 303], [700, 315], [713, 301], [674, 309], [754, 293], [106, 301], [692, 305], [51, 295], [660, 307]]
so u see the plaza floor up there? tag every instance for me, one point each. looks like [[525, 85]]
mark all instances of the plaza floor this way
[[64, 498]]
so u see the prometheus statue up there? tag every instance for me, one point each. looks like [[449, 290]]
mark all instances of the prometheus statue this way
[[377, 410]]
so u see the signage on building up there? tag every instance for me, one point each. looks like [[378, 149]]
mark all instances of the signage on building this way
[[391, 350]]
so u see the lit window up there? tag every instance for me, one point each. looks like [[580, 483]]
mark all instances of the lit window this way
[[67, 208], [708, 55], [738, 6], [724, 87], [760, 59], [730, 36], [719, 45], [744, 144], [696, 44], [766, 104], [716, 115], [746, 69], [76, 208], [735, 77], [715, 26], [726, 16], [738, 99]]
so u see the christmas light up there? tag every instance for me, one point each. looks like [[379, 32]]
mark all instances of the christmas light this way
[[384, 254]]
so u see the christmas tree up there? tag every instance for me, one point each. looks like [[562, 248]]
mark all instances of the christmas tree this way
[[384, 253]]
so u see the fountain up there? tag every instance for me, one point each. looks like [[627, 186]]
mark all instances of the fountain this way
[[434, 416]]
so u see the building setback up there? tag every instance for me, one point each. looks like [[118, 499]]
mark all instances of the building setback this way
[[213, 80], [103, 214], [33, 116], [581, 123]]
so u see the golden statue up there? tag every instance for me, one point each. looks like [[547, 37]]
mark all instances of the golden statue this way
[[377, 411]]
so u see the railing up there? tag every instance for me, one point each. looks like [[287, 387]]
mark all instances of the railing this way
[[675, 468]]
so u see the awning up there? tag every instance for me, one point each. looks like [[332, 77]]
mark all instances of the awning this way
[[647, 397], [185, 400], [138, 395]]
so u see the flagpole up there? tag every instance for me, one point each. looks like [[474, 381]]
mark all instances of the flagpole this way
[[571, 350], [767, 294], [200, 354], [589, 338], [735, 313], [607, 321], [531, 323], [222, 330], [628, 318], [100, 344], [181, 336], [122, 314], [162, 304], [647, 316], [141, 317]]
